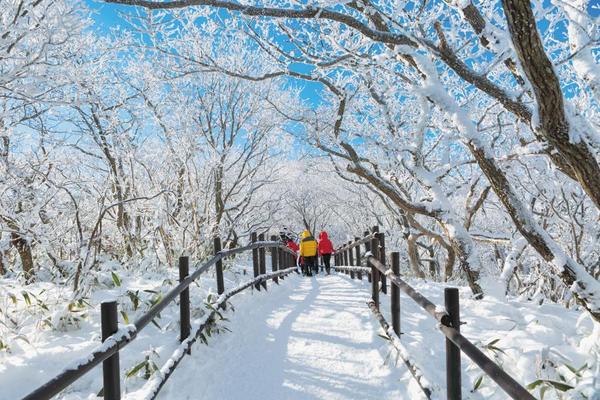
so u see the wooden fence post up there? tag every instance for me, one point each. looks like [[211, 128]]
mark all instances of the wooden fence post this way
[[292, 261], [281, 258], [274, 258], [255, 266], [184, 300], [357, 249], [395, 295], [351, 260], [110, 367], [453, 371], [219, 267], [375, 272], [381, 237], [367, 249], [262, 262], [348, 253]]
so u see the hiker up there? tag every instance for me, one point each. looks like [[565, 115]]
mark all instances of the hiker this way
[[325, 250], [291, 244], [308, 252], [294, 247]]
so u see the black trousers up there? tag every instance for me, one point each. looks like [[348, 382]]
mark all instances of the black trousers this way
[[327, 261], [310, 264]]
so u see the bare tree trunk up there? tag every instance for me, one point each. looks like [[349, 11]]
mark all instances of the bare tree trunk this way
[[2, 267], [461, 244], [24, 249], [434, 267], [413, 256], [553, 123], [449, 266], [583, 286]]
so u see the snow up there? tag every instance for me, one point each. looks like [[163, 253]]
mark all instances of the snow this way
[[309, 339]]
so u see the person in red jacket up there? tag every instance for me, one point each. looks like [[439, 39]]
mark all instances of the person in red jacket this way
[[290, 243], [325, 250]]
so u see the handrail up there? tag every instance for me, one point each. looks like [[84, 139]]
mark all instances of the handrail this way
[[352, 245], [121, 338], [497, 374], [448, 318], [165, 372], [145, 319], [394, 338], [440, 316]]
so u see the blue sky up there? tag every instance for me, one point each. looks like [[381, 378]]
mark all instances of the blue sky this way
[[107, 16]]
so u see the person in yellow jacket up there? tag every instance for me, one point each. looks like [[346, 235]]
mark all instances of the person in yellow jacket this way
[[308, 252]]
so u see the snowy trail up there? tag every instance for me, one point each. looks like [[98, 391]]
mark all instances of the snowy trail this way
[[309, 338]]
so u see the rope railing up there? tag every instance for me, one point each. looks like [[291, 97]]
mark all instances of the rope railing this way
[[448, 318], [114, 339]]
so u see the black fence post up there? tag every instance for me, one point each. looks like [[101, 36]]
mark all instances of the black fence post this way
[[351, 260], [262, 259], [453, 372], [219, 267], [274, 258], [382, 258], [347, 257], [367, 249], [357, 249], [110, 366], [395, 295], [281, 258], [375, 272], [255, 266], [184, 300]]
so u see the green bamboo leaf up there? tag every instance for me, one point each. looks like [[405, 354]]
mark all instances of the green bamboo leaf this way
[[115, 279], [156, 324], [478, 383], [543, 391], [125, 317], [135, 369], [26, 297], [563, 387], [535, 384]]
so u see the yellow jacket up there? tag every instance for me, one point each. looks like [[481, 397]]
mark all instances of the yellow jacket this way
[[308, 245]]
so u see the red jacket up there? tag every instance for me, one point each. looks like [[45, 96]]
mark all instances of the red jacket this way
[[292, 245], [325, 245]]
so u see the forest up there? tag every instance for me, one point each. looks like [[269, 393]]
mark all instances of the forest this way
[[135, 131]]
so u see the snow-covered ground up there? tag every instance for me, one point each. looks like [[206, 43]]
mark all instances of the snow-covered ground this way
[[51, 334], [307, 338], [545, 347]]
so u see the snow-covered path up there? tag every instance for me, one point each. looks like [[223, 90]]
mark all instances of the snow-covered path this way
[[309, 338]]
